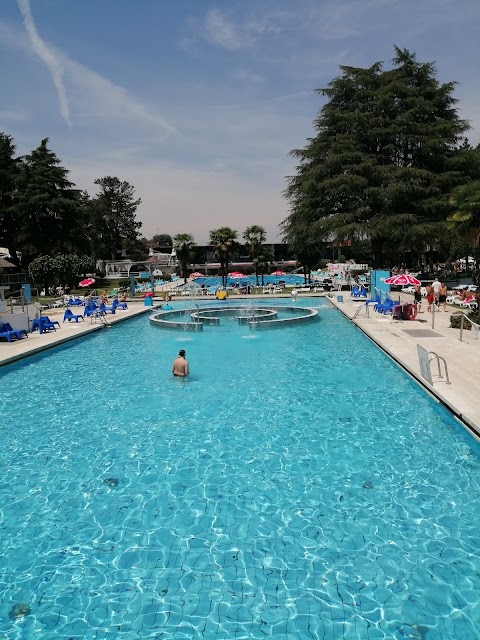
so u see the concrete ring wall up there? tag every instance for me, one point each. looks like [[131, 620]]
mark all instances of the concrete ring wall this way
[[263, 316]]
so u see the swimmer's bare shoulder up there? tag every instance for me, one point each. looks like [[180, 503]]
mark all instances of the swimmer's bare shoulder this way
[[180, 365]]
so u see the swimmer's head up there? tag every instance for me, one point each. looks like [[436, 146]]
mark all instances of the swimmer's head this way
[[182, 353]]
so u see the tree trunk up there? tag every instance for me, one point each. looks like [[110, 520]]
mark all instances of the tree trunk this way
[[377, 256]]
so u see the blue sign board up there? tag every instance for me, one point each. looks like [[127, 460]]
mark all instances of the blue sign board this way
[[377, 284]]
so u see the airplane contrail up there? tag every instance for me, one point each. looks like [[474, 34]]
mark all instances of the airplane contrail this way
[[53, 64]]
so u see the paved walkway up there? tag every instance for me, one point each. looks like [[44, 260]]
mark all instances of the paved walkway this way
[[400, 338]]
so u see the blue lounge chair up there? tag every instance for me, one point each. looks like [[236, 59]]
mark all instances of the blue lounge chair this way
[[376, 301], [104, 309], [119, 305], [358, 292], [47, 321], [386, 307], [90, 309], [44, 324], [7, 335], [69, 315], [75, 302], [6, 327]]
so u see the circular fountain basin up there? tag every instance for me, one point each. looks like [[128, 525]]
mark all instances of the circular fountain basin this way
[[260, 317]]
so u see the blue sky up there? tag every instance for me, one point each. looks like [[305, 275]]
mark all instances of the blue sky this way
[[197, 103]]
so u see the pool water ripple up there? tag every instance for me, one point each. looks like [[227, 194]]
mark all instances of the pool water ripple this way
[[298, 486]]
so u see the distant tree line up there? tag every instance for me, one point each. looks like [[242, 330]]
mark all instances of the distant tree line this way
[[48, 225], [389, 172], [225, 243]]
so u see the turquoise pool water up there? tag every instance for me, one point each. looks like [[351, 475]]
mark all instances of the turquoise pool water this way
[[299, 485]]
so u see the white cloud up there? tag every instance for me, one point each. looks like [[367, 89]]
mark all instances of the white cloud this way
[[224, 33], [91, 94], [49, 57], [247, 76], [97, 96], [14, 116]]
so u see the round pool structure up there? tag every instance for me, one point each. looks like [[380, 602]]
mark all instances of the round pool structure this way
[[263, 316]]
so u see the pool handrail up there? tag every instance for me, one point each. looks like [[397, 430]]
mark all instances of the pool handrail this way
[[462, 322]]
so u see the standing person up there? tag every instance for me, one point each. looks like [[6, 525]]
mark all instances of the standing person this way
[[442, 296], [180, 365], [417, 296], [430, 297], [436, 289]]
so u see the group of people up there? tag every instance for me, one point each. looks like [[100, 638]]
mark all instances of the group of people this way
[[62, 290], [436, 294], [121, 297]]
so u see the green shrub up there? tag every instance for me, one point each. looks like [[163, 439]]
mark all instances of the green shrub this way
[[456, 319]]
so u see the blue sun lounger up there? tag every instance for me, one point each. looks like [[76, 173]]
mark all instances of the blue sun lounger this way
[[6, 327], [69, 315]]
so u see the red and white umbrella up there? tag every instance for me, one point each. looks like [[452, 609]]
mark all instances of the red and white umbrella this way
[[197, 274], [87, 282], [402, 279], [236, 275], [278, 273]]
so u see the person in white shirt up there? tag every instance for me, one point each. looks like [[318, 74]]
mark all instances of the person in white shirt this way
[[436, 285]]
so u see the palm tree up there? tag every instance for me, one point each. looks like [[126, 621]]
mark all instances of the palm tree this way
[[184, 244], [466, 218], [264, 262], [224, 242], [466, 221], [254, 237]]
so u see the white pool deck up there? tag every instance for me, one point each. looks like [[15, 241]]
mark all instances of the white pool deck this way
[[462, 396]]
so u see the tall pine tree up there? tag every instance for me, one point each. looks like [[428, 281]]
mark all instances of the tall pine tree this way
[[49, 215], [8, 196], [384, 161], [112, 222]]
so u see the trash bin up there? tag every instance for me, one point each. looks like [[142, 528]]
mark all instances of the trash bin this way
[[148, 302], [339, 298]]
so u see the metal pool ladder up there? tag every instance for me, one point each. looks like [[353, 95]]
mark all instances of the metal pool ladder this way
[[425, 361]]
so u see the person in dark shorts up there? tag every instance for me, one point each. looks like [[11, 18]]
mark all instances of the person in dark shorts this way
[[442, 296], [417, 296]]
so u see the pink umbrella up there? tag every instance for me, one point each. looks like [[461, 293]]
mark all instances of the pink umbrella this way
[[402, 279], [87, 282], [197, 274], [278, 273], [236, 274]]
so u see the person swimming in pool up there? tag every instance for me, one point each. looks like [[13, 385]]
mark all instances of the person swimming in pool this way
[[180, 365]]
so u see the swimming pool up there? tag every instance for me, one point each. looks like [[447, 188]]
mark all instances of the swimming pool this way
[[299, 485]]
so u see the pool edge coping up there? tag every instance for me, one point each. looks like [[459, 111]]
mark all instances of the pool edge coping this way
[[468, 424]]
